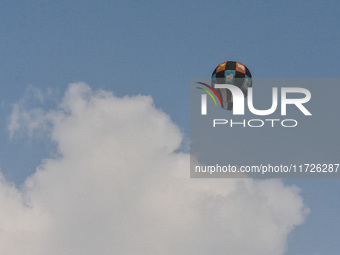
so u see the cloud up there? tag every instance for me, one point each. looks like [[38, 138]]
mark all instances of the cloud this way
[[118, 186], [30, 119]]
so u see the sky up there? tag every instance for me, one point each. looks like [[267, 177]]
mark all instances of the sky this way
[[137, 58]]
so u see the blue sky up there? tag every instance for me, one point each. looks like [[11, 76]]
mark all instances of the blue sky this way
[[154, 48]]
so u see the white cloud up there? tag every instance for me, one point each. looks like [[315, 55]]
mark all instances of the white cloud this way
[[31, 119], [118, 187]]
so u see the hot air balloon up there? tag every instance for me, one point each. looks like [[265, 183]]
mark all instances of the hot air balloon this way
[[231, 72]]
